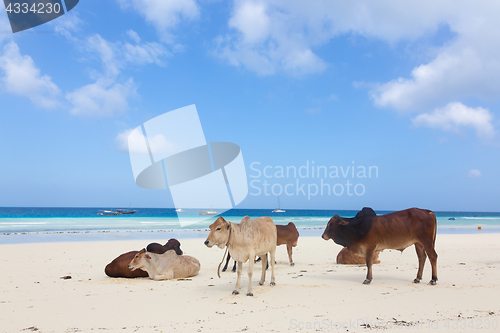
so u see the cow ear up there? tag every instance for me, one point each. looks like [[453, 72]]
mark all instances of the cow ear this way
[[147, 256], [228, 226]]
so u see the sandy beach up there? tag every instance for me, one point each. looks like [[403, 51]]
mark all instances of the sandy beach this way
[[314, 295]]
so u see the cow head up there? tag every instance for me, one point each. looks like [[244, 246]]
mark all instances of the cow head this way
[[346, 231], [139, 260], [174, 244], [331, 227], [219, 233]]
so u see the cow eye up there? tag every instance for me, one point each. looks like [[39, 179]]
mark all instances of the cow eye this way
[[218, 229]]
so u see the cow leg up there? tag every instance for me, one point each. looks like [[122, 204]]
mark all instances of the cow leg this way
[[250, 273], [369, 264], [263, 276], [421, 261], [273, 258], [431, 253], [234, 267], [289, 250], [227, 262], [238, 279], [169, 275]]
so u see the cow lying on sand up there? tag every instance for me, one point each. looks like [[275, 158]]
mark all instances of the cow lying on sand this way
[[286, 234], [118, 267], [345, 257], [166, 266], [245, 241], [366, 233]]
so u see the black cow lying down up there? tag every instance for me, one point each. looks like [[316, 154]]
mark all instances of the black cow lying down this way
[[366, 233]]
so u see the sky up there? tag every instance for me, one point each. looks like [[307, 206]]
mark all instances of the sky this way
[[407, 90]]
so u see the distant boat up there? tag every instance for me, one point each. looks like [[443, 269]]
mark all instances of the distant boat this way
[[179, 210], [208, 212], [125, 211], [451, 219], [117, 212], [107, 212], [279, 210]]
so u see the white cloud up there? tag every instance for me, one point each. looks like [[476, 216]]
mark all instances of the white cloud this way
[[22, 77], [133, 35], [455, 116], [107, 53], [159, 145], [146, 53], [474, 173], [116, 56], [132, 141], [268, 36], [251, 19], [467, 66], [67, 24], [110, 94], [282, 36], [102, 98], [164, 14]]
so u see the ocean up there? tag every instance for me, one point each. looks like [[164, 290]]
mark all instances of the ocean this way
[[40, 224]]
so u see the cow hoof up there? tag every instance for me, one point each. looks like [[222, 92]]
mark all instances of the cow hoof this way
[[234, 271], [416, 281], [261, 283], [235, 292], [433, 282], [292, 264], [273, 284], [367, 281], [224, 269], [249, 294]]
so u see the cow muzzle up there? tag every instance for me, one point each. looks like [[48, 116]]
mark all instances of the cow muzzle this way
[[325, 237]]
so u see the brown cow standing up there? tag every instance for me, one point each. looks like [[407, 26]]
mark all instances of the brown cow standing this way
[[345, 257], [366, 233], [287, 234], [119, 266]]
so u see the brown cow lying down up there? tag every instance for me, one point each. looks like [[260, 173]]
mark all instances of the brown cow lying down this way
[[287, 234], [118, 267], [366, 233], [166, 266], [347, 258]]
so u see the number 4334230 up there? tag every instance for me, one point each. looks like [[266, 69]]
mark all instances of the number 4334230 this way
[[37, 8]]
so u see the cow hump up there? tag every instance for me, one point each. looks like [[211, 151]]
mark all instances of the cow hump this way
[[365, 212]]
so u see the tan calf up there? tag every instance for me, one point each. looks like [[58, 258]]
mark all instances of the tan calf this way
[[246, 240], [166, 266]]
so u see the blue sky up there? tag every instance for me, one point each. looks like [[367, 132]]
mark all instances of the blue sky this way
[[409, 88]]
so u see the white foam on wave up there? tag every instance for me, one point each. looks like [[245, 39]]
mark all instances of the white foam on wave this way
[[21, 223], [162, 223]]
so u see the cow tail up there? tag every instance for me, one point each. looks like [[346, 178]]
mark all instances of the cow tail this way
[[435, 228]]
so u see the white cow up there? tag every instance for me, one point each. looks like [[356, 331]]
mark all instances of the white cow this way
[[246, 240], [166, 266]]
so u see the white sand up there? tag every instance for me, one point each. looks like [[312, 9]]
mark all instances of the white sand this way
[[315, 295]]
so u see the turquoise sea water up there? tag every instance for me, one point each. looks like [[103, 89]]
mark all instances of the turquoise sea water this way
[[40, 224]]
